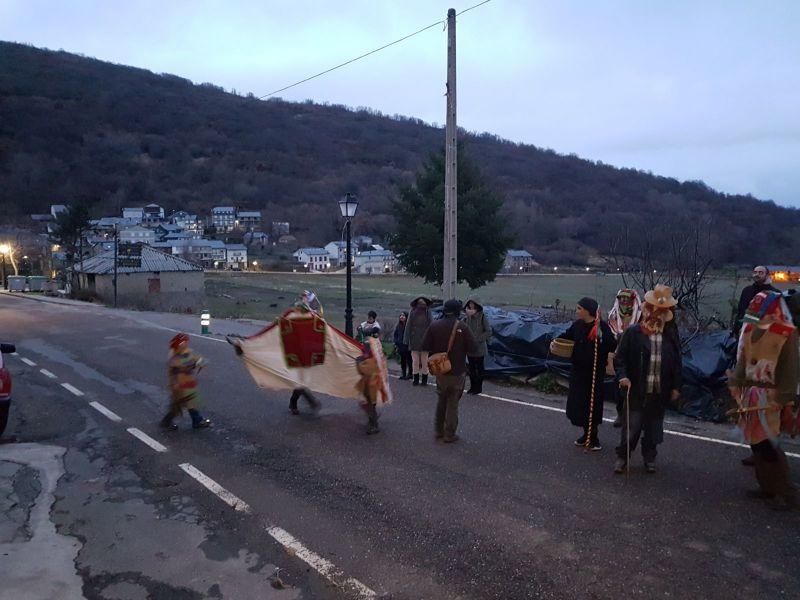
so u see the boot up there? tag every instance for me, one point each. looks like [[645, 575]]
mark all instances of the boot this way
[[198, 422], [424, 380], [764, 478], [785, 494], [166, 422], [416, 379], [372, 419]]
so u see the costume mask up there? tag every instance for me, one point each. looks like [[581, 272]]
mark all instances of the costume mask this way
[[654, 318], [625, 300]]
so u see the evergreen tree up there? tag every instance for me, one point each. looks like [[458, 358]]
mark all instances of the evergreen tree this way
[[419, 213], [70, 228]]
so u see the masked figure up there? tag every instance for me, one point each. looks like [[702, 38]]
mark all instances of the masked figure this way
[[648, 364], [627, 311], [182, 369], [764, 385]]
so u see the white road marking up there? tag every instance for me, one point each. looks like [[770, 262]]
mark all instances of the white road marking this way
[[691, 436], [104, 411], [47, 373], [321, 565], [227, 497], [142, 436], [72, 389], [28, 362]]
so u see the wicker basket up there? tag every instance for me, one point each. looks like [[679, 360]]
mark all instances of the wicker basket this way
[[561, 347]]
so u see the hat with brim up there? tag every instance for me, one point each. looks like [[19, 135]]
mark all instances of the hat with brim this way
[[660, 297], [423, 298]]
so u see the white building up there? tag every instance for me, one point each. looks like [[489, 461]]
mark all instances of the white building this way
[[135, 213], [314, 259], [375, 261], [137, 235], [57, 209], [186, 221], [236, 257], [338, 252], [223, 218], [208, 253]]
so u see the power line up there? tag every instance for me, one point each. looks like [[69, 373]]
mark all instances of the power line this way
[[352, 60]]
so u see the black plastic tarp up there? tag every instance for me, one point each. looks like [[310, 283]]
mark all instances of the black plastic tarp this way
[[520, 346]]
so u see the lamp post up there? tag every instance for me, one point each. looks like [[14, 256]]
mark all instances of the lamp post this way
[[348, 207], [3, 251]]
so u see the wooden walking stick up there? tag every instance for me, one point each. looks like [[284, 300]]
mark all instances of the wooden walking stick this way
[[594, 333], [628, 430]]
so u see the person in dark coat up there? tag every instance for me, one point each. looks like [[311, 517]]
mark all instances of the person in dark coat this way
[[449, 386], [402, 348], [588, 357], [418, 322], [648, 363], [761, 283], [481, 330]]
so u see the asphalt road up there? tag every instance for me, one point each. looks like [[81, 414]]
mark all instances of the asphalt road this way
[[512, 511]]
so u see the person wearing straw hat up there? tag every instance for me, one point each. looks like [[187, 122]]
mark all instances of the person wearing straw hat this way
[[648, 364], [593, 343]]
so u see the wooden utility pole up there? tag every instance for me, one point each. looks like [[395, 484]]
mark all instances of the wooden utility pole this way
[[450, 273]]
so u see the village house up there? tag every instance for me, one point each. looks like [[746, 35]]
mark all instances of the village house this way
[[137, 235], [209, 254], [338, 252], [134, 213], [186, 222], [248, 220], [518, 261], [223, 218], [152, 214], [236, 257], [150, 279], [375, 261], [314, 259]]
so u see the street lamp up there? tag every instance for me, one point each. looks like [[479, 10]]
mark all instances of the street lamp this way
[[348, 207], [6, 249]]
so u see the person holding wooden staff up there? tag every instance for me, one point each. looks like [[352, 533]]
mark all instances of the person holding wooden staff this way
[[648, 364], [593, 341]]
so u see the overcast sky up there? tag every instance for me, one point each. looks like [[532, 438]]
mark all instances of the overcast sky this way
[[693, 89]]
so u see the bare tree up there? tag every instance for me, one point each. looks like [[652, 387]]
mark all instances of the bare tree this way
[[676, 256]]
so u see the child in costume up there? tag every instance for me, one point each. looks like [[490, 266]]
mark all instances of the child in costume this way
[[182, 369]]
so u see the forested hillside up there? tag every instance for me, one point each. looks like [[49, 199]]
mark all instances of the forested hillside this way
[[73, 127]]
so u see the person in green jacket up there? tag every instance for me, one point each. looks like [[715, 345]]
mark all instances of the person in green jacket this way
[[480, 329]]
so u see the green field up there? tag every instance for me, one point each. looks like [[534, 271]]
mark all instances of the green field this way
[[265, 295]]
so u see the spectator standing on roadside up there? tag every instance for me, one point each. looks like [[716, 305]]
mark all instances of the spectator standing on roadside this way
[[481, 330], [402, 348], [418, 322], [451, 336]]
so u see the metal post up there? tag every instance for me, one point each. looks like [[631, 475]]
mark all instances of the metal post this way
[[4, 270], [116, 262], [348, 311], [450, 274]]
